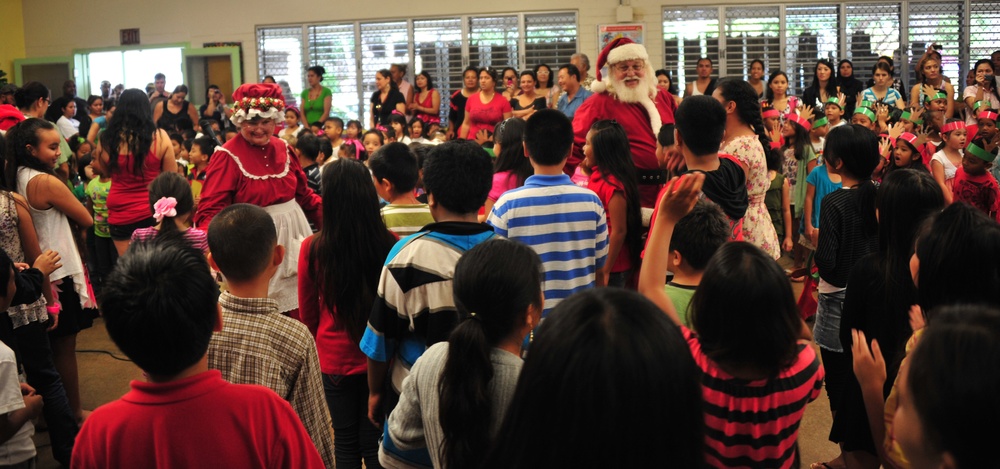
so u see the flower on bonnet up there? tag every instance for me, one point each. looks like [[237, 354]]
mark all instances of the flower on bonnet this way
[[165, 207]]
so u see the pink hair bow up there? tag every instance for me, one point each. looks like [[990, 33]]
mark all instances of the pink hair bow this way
[[165, 207]]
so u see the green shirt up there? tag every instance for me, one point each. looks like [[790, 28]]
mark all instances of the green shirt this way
[[406, 219], [313, 108], [98, 193], [680, 296]]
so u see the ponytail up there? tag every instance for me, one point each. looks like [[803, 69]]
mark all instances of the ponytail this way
[[170, 196], [16, 153], [747, 106], [495, 284], [857, 148]]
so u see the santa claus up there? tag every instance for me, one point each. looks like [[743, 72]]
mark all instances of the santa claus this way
[[630, 96]]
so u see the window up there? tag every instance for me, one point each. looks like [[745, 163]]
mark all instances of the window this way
[[871, 31], [936, 23], [984, 36], [810, 35], [135, 68], [332, 47], [493, 42], [279, 54], [752, 33], [689, 34], [549, 39], [437, 49]]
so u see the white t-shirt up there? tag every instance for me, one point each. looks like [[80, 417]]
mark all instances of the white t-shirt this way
[[18, 448]]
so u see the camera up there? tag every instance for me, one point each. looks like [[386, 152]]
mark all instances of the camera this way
[[989, 78]]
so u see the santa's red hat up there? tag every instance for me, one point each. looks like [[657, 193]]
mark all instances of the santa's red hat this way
[[252, 100], [618, 50]]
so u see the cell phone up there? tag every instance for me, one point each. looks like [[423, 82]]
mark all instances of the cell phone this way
[[937, 46]]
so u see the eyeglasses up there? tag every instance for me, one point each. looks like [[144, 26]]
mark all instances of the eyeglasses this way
[[635, 67]]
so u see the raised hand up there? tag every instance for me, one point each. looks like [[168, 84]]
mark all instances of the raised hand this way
[[680, 196], [895, 130], [806, 112], [869, 366], [884, 147]]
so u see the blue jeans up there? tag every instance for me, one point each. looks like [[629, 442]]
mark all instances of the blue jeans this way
[[827, 328], [354, 436], [35, 353]]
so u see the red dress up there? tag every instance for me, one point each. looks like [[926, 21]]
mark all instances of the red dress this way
[[485, 115], [427, 118], [635, 120], [605, 189], [128, 199]]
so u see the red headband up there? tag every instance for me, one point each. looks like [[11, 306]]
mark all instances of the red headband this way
[[952, 126], [988, 115], [771, 113], [799, 120], [912, 139]]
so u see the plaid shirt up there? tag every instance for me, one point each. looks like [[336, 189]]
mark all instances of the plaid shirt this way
[[258, 345]]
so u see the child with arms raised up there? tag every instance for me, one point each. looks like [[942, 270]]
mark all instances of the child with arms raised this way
[[747, 340], [160, 308], [696, 238]]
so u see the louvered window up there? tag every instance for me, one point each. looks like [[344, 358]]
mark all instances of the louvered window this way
[[493, 41], [872, 30], [279, 54], [752, 33], [688, 34], [549, 39], [332, 47], [382, 44], [984, 36], [810, 35], [936, 23], [437, 48]]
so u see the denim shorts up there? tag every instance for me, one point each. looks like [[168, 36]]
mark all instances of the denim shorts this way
[[826, 332]]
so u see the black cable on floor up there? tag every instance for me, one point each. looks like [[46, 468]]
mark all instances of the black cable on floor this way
[[116, 357]]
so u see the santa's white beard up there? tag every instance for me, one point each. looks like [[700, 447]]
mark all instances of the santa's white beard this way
[[625, 94]]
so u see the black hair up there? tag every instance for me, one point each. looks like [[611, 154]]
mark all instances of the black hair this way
[[993, 89], [347, 253], [706, 59], [548, 84], [353, 149], [746, 324], [385, 73], [423, 127], [16, 155], [763, 66], [857, 147], [495, 282], [613, 157], [884, 67], [531, 74], [205, 144], [242, 238], [799, 141], [160, 305], [957, 257], [571, 70], [336, 120], [548, 137], [159, 76], [325, 146], [700, 233], [701, 123], [318, 70], [509, 134], [747, 105], [171, 184], [93, 99], [356, 123], [459, 175], [395, 163], [774, 159], [492, 72], [665, 137], [176, 137], [179, 89], [397, 119], [768, 93], [308, 146], [831, 83], [430, 81], [502, 72], [917, 164], [132, 126], [613, 352], [672, 89], [30, 93], [472, 68], [952, 380]]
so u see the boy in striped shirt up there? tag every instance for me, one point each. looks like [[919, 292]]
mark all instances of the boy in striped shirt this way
[[563, 223], [395, 173]]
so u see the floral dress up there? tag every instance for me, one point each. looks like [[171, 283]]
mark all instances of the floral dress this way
[[757, 227], [10, 242]]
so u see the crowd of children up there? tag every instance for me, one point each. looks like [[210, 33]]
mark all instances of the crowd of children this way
[[451, 307]]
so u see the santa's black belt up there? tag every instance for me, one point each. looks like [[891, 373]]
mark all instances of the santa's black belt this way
[[651, 176]]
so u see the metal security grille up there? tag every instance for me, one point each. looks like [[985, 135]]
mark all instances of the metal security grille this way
[[752, 33], [382, 44], [811, 33], [279, 54], [332, 47], [493, 41], [871, 31], [437, 47], [549, 39], [984, 36], [688, 33], [936, 23]]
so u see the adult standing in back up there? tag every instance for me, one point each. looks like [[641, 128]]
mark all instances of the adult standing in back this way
[[316, 100], [134, 152], [456, 113], [385, 100], [704, 84], [485, 109], [169, 114]]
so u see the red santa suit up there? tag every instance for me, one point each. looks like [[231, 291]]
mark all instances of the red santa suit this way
[[641, 120]]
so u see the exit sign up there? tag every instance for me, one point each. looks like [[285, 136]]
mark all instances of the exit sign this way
[[129, 36]]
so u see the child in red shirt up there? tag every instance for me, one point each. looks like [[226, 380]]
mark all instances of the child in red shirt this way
[[974, 184]]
